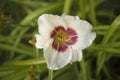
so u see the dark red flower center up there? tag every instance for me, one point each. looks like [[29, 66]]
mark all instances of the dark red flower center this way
[[63, 38]]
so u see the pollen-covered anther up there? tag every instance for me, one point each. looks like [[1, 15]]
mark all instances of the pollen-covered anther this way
[[32, 41], [63, 38]]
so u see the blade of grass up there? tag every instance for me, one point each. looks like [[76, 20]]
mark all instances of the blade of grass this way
[[39, 11], [108, 50], [21, 51], [67, 5], [17, 75], [10, 68], [61, 71], [28, 62], [33, 4], [107, 73], [101, 55], [23, 46], [89, 71], [83, 69], [101, 27], [12, 37], [4, 73], [16, 42], [92, 12], [112, 44], [37, 66], [82, 5]]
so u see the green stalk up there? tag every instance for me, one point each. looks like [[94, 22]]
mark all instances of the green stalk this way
[[37, 66], [50, 74], [82, 10], [19, 50], [67, 6], [83, 68], [92, 12]]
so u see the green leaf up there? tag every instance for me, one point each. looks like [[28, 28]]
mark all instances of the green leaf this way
[[39, 11], [101, 55], [19, 50], [29, 62]]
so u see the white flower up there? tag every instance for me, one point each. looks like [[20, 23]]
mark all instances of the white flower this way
[[63, 38]]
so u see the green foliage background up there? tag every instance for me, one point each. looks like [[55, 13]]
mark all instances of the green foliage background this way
[[20, 60]]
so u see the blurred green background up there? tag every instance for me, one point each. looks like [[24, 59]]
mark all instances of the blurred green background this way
[[20, 60]]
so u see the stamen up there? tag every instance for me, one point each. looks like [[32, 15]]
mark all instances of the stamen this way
[[58, 47], [73, 36], [63, 38]]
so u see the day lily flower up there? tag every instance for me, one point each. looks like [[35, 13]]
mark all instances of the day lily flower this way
[[63, 38]]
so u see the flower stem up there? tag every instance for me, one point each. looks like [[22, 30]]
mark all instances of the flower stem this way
[[37, 66], [82, 8], [83, 68], [92, 12], [67, 6], [50, 74]]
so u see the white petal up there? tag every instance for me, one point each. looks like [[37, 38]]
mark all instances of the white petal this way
[[84, 40], [77, 55], [44, 27], [48, 22], [77, 24], [55, 59], [83, 29], [40, 41]]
